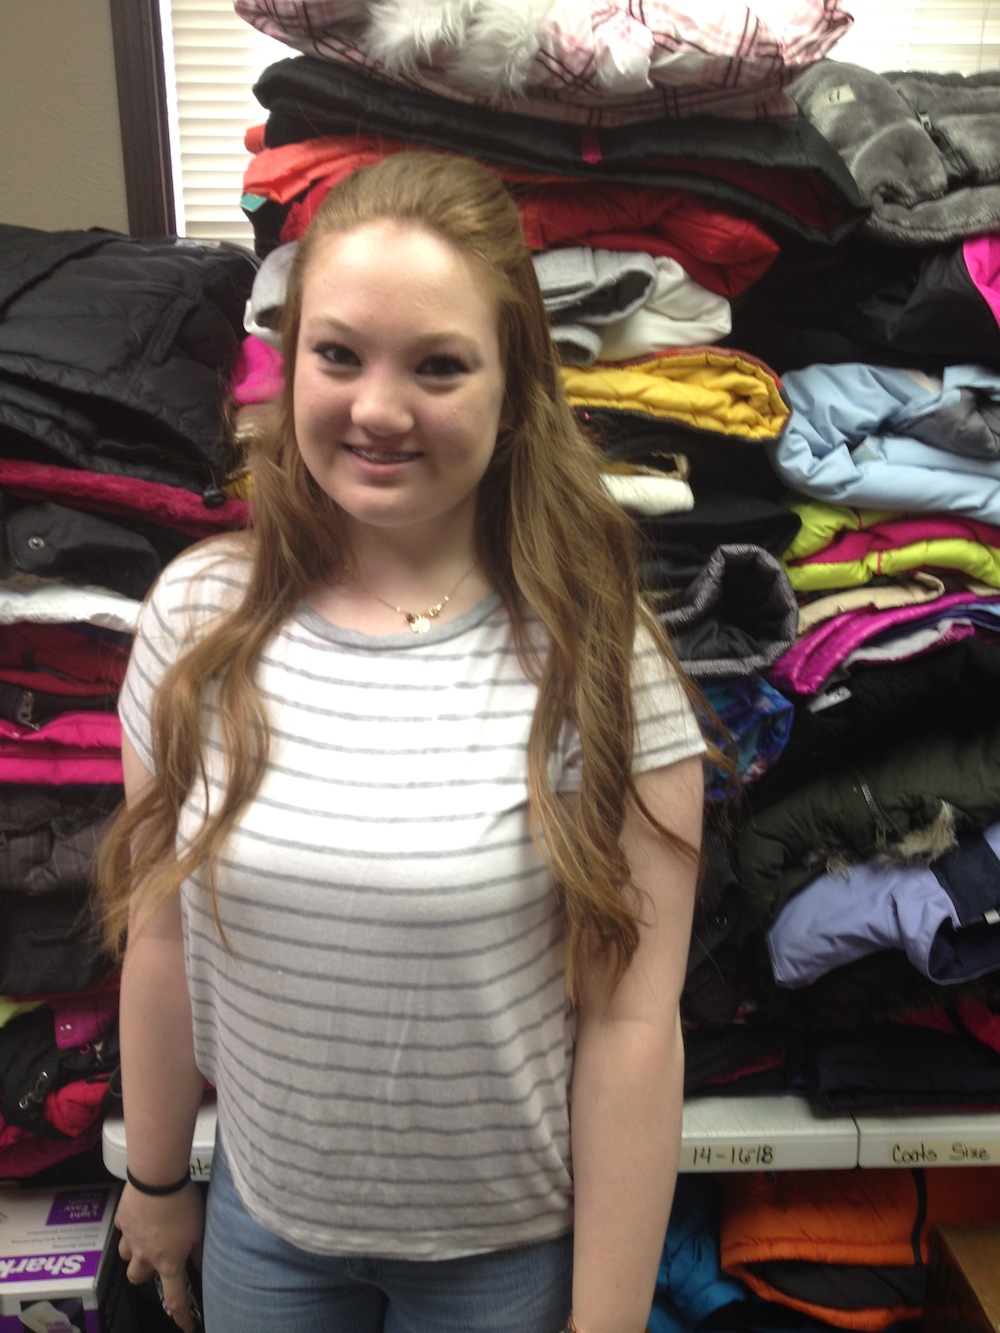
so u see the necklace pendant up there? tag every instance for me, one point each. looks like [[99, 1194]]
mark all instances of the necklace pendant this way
[[420, 621]]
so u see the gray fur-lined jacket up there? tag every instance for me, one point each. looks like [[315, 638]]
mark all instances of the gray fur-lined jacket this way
[[923, 147]]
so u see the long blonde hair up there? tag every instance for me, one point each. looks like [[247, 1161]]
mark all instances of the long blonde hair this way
[[548, 539]]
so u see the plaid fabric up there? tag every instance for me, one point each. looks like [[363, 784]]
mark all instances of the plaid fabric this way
[[596, 64]]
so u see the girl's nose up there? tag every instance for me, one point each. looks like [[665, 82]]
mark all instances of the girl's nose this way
[[380, 405]]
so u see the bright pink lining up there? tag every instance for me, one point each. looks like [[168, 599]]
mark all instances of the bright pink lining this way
[[982, 259]]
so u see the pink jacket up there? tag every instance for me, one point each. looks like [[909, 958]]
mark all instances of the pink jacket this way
[[72, 747], [812, 659], [121, 496]]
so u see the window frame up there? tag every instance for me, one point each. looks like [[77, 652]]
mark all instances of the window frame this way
[[142, 113]]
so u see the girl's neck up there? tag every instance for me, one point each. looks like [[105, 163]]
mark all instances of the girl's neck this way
[[405, 567], [388, 587]]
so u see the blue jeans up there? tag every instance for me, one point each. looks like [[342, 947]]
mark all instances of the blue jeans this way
[[255, 1282]]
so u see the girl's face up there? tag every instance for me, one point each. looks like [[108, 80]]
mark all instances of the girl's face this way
[[399, 379]]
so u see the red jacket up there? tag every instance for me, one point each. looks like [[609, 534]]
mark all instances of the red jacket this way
[[724, 252]]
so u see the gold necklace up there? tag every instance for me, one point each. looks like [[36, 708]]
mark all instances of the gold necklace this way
[[420, 621]]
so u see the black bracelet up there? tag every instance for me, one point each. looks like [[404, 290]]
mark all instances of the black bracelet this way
[[157, 1189]]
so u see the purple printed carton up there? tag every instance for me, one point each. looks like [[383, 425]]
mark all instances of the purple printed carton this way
[[59, 1271]]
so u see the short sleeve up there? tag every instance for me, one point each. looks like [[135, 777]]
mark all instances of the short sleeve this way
[[192, 591], [666, 728]]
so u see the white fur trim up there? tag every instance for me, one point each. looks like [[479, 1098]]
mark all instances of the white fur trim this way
[[487, 46], [403, 34], [501, 45]]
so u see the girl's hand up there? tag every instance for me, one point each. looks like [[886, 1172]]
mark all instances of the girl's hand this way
[[159, 1236]]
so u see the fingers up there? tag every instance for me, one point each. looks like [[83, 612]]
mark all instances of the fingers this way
[[174, 1290], [177, 1299], [182, 1317], [137, 1271]]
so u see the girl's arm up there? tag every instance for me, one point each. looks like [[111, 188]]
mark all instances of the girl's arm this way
[[628, 1074], [162, 1090]]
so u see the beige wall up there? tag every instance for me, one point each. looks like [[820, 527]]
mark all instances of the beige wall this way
[[60, 145]]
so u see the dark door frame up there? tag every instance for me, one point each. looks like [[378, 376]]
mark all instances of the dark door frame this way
[[142, 111]]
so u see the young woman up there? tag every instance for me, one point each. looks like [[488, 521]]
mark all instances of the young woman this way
[[414, 801]]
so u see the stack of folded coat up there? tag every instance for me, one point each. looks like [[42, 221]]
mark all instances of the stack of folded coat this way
[[114, 355], [865, 877]]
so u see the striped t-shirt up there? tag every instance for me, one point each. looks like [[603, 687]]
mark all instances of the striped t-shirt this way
[[389, 1034]]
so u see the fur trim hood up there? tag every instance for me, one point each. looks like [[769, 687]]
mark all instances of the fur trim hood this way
[[574, 60]]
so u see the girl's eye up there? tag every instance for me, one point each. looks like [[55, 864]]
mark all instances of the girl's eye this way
[[337, 354], [442, 367]]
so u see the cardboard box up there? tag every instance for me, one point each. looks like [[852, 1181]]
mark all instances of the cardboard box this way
[[59, 1265], [963, 1283]]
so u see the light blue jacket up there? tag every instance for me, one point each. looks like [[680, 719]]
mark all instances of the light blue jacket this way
[[880, 438]]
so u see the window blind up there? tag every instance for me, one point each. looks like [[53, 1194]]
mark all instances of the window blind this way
[[918, 34], [213, 58]]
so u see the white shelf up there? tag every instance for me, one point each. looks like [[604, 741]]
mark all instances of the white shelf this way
[[969, 1139], [113, 1144], [765, 1133]]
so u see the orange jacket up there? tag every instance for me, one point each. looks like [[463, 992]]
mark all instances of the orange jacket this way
[[848, 1222]]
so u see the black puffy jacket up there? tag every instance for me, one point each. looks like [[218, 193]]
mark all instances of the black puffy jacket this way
[[115, 354]]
